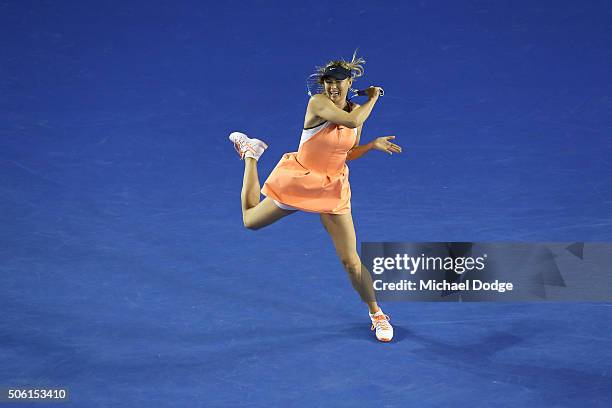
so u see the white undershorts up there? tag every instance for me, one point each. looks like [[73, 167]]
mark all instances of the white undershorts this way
[[285, 206]]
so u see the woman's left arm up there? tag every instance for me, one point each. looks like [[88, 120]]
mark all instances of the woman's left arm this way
[[383, 144]]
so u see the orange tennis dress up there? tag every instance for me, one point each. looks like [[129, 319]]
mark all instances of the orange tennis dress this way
[[315, 178]]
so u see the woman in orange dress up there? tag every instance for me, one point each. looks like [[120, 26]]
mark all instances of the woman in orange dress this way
[[315, 178]]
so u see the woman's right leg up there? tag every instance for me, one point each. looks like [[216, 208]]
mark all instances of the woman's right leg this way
[[255, 214]]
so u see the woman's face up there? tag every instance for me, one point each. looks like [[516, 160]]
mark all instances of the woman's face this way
[[336, 89]]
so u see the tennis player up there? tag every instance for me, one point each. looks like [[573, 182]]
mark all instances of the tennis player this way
[[315, 178]]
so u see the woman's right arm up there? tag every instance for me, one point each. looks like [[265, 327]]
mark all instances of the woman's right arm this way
[[323, 107]]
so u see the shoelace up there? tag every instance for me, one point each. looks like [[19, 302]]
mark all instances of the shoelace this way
[[242, 146], [237, 147], [381, 321]]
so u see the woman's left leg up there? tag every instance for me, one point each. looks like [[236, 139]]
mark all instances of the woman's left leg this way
[[342, 232], [340, 228]]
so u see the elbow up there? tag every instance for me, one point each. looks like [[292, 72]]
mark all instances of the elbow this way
[[353, 124], [354, 121]]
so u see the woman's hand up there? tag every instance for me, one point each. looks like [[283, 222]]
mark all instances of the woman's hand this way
[[373, 92], [385, 145]]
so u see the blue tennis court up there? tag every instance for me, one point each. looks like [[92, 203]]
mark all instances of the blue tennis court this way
[[128, 278]]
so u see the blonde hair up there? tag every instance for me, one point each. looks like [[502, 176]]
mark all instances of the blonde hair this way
[[355, 66]]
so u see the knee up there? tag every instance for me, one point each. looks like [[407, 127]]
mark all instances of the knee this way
[[248, 224], [351, 263]]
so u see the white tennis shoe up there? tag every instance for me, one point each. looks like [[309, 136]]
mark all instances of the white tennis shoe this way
[[380, 323], [247, 147]]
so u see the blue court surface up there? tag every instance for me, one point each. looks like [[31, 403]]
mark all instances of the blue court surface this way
[[127, 277]]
